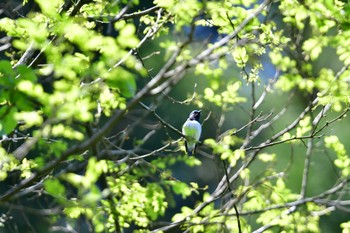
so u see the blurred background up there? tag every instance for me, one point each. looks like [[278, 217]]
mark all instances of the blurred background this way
[[173, 110]]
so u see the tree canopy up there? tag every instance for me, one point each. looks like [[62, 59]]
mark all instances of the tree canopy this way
[[93, 95]]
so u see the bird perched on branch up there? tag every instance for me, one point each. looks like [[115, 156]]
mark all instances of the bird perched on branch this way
[[192, 129]]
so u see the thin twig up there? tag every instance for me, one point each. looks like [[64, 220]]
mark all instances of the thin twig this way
[[231, 193]]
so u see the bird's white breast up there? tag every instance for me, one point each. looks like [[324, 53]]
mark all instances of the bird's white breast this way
[[192, 129]]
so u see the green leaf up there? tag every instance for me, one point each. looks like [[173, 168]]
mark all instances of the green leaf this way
[[313, 47], [8, 122], [8, 25], [121, 80], [192, 161], [346, 227], [8, 163], [54, 187], [185, 212], [30, 119], [304, 126], [35, 31], [265, 157], [67, 132], [344, 54], [126, 37], [7, 77], [181, 188], [74, 179], [165, 3], [50, 8], [94, 170], [240, 56], [73, 212], [342, 161]]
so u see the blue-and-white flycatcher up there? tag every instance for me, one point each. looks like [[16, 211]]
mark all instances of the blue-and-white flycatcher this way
[[192, 129]]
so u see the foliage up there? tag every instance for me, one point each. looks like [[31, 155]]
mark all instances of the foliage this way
[[90, 110]]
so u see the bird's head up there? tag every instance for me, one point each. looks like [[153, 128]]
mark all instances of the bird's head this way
[[195, 115]]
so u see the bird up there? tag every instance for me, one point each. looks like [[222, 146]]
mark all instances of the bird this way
[[192, 130]]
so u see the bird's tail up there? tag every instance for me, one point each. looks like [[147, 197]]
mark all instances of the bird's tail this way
[[190, 147]]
